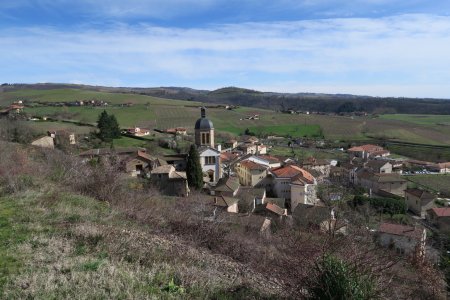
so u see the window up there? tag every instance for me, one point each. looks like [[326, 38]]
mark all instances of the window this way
[[210, 160], [205, 138]]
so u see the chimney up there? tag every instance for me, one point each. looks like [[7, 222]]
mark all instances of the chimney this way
[[203, 110], [219, 148]]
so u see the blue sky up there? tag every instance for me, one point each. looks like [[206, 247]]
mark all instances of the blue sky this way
[[369, 47]]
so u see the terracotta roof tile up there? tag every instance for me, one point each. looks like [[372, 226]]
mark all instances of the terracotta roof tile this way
[[402, 230], [293, 172], [252, 165], [442, 211]]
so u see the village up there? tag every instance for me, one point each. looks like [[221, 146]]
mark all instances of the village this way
[[241, 179]]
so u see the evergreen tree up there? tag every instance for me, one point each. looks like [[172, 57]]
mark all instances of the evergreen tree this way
[[114, 127], [194, 169], [108, 126]]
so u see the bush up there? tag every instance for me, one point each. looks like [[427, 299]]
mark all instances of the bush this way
[[339, 280], [391, 206]]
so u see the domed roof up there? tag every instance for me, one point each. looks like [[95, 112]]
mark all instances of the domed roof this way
[[203, 123]]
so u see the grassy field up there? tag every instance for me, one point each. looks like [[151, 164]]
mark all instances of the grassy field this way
[[70, 95], [436, 183], [42, 127], [164, 113], [440, 120]]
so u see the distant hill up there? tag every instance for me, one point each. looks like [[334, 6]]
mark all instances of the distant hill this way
[[278, 101]]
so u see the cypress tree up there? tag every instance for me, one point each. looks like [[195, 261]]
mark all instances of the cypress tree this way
[[194, 169]]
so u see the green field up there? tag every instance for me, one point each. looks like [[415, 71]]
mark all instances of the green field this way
[[152, 112], [440, 120], [435, 183], [70, 95]]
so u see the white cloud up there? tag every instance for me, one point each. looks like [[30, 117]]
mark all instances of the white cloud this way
[[356, 54]]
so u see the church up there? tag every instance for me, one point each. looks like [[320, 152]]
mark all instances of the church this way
[[209, 155]]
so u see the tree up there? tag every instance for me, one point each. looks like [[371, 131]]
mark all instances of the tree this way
[[108, 126], [194, 169]]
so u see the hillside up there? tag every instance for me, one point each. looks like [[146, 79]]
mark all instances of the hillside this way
[[277, 101], [74, 230]]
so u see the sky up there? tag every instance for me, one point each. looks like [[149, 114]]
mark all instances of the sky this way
[[365, 47]]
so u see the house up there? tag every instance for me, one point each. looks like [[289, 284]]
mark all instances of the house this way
[[320, 218], [177, 131], [179, 161], [250, 198], [391, 183], [229, 203], [231, 144], [226, 186], [442, 168], [294, 184], [404, 239], [419, 201], [366, 151], [267, 160], [136, 131], [440, 218], [141, 164], [226, 160], [170, 181], [321, 165], [379, 166], [44, 142], [250, 173]]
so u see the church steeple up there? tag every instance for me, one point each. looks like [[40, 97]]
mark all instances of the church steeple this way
[[204, 130]]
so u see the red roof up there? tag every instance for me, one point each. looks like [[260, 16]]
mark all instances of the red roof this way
[[292, 171], [228, 156], [402, 230], [367, 148], [252, 165], [442, 211], [275, 208], [270, 159]]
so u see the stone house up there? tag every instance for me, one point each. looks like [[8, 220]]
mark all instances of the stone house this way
[[377, 182], [440, 218], [379, 166], [404, 239], [419, 201], [250, 198], [230, 204], [141, 164], [320, 165], [319, 218], [367, 151], [226, 186], [170, 181]]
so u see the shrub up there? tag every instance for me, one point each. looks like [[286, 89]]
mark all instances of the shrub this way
[[339, 280]]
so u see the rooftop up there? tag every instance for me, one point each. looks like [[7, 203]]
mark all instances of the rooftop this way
[[442, 211], [401, 230], [293, 172]]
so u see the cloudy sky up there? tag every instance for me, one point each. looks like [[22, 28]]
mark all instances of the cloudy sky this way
[[369, 47]]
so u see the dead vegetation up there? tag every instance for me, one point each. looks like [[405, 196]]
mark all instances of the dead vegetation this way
[[134, 243]]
